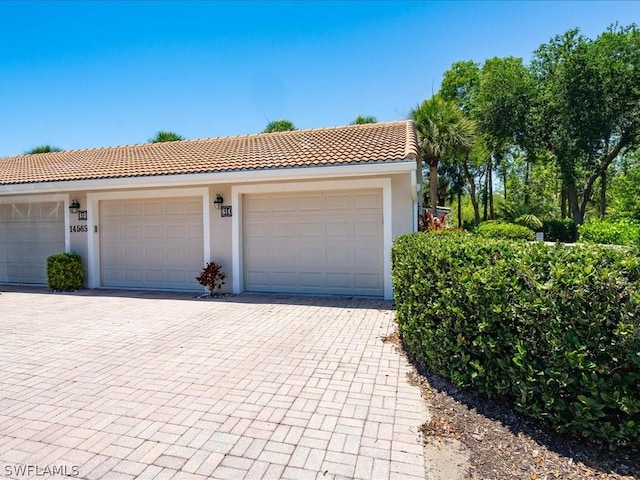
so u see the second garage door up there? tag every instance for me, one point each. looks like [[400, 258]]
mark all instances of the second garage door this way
[[317, 242], [151, 243]]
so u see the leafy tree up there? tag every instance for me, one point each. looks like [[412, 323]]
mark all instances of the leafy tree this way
[[279, 126], [442, 129], [362, 119], [165, 136], [625, 189], [43, 149], [460, 83], [586, 109], [500, 106]]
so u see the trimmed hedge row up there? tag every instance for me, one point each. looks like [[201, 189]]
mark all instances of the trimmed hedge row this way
[[620, 232], [553, 329], [494, 229]]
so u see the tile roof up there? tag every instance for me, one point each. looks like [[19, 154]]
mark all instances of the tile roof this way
[[353, 144]]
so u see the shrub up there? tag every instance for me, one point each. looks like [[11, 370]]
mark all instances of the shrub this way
[[212, 276], [555, 330], [620, 232], [560, 231], [511, 231], [429, 222], [64, 272]]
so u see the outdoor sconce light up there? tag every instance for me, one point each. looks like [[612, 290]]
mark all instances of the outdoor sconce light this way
[[74, 206], [218, 201]]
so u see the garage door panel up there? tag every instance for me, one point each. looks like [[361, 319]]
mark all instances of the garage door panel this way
[[154, 276], [340, 256], [306, 279], [339, 229], [309, 203], [282, 204], [339, 280], [159, 247], [284, 279], [174, 231], [368, 255], [335, 247], [340, 202], [311, 229], [150, 209], [370, 281], [368, 228], [29, 233], [175, 208], [367, 201], [280, 229]]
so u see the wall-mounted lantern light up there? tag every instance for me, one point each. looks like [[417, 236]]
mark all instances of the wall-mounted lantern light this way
[[74, 206], [218, 201]]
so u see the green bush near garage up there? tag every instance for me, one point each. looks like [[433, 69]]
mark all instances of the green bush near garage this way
[[494, 229], [554, 330], [64, 272]]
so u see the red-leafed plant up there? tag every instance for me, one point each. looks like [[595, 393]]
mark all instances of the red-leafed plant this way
[[430, 222], [212, 276]]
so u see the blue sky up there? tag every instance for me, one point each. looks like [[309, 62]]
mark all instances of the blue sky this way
[[93, 74]]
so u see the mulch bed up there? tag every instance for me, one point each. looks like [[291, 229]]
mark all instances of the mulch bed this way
[[505, 445]]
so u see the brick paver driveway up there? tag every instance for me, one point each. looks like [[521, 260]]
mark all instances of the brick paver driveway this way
[[124, 385]]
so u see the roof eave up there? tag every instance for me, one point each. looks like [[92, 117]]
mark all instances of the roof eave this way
[[235, 176]]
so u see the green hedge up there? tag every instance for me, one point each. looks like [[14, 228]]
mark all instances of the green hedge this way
[[493, 229], [620, 232], [564, 231], [553, 329], [64, 271]]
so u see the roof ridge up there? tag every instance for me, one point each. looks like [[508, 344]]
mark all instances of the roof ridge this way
[[411, 143]]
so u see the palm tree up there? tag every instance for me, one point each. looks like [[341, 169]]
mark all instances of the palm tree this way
[[43, 149], [442, 129], [362, 119], [279, 126], [166, 136]]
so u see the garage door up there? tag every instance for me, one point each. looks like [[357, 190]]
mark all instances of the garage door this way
[[316, 242], [29, 233], [151, 243]]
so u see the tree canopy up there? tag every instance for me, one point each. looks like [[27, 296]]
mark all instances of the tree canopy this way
[[586, 109], [43, 149], [279, 126], [362, 119], [165, 136], [567, 117]]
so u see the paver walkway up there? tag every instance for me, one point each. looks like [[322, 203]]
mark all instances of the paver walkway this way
[[125, 385]]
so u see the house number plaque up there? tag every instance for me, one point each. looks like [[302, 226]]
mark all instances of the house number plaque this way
[[225, 211]]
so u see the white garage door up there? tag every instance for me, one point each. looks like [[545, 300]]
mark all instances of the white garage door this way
[[29, 233], [316, 242], [151, 243]]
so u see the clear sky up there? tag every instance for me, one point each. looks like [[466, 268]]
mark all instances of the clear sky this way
[[93, 74]]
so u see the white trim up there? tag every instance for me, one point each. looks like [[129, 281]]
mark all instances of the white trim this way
[[93, 221], [59, 197], [174, 180], [239, 190]]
